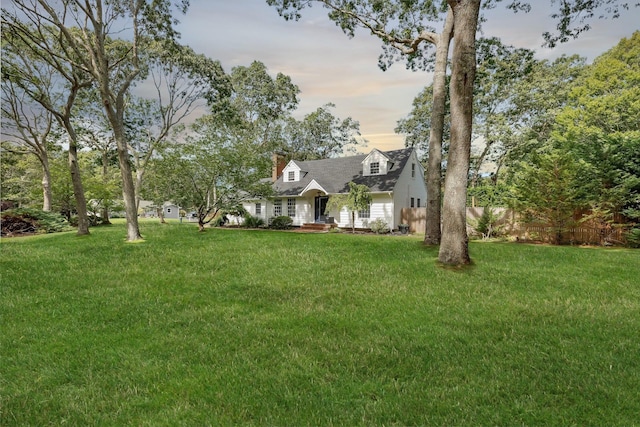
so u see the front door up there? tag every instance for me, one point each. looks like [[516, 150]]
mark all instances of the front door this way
[[321, 205]]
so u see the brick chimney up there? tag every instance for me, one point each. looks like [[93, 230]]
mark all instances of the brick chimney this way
[[278, 164]]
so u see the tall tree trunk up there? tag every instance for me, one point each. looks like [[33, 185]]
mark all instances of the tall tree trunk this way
[[105, 179], [76, 180], [434, 169], [160, 212], [454, 247], [128, 189], [138, 184], [47, 195]]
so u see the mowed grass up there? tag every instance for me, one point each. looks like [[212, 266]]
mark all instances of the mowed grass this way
[[236, 327]]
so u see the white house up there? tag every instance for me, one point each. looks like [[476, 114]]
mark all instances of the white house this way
[[302, 188]]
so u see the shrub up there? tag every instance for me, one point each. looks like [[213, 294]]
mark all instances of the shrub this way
[[94, 220], [487, 224], [379, 226], [281, 222], [633, 238], [26, 220], [252, 222], [220, 220]]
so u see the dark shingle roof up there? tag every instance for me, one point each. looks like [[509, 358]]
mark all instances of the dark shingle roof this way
[[334, 175]]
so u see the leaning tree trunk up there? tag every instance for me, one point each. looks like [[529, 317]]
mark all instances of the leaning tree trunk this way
[[160, 213], [454, 247], [76, 181], [434, 169], [128, 189]]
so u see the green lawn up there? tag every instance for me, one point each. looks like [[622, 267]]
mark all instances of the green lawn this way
[[236, 327]]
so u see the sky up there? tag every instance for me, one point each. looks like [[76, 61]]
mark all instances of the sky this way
[[329, 67]]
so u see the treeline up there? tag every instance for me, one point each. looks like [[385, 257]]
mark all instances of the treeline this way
[[553, 137], [83, 138]]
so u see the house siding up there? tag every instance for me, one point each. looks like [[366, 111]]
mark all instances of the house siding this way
[[171, 211], [381, 207], [387, 199], [408, 187], [375, 157], [304, 209]]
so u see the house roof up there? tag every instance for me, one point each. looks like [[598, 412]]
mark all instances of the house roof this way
[[334, 175]]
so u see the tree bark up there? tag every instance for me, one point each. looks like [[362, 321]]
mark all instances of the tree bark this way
[[433, 233], [105, 178], [76, 179], [47, 195], [454, 247], [128, 189], [138, 184]]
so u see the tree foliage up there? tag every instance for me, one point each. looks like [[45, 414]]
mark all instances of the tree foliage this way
[[590, 153], [209, 173], [548, 190], [358, 198], [321, 135]]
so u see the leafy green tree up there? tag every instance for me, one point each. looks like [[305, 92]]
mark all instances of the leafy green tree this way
[[417, 124], [102, 185], [86, 30], [537, 100], [26, 128], [321, 135], [500, 69], [600, 126], [358, 198], [549, 190], [20, 178], [210, 173], [32, 51], [184, 82], [257, 105], [252, 118]]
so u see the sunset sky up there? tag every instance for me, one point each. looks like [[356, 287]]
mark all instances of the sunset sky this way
[[330, 67]]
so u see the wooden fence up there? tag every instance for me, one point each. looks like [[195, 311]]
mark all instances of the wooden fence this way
[[509, 223]]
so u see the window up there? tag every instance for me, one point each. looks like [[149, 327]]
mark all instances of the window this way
[[418, 202], [374, 168], [291, 207], [365, 214], [292, 176], [277, 207], [413, 202], [413, 171], [258, 208]]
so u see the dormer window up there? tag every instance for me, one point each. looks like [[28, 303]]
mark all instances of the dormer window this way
[[291, 172], [376, 163], [374, 168]]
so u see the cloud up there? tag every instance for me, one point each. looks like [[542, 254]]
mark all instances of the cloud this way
[[330, 67]]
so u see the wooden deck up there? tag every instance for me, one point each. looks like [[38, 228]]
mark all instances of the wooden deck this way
[[316, 227]]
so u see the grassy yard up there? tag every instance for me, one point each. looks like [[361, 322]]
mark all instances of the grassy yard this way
[[235, 327]]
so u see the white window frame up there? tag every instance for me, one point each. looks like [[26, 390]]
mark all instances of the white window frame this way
[[374, 168], [258, 208], [365, 213], [277, 207], [291, 207]]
